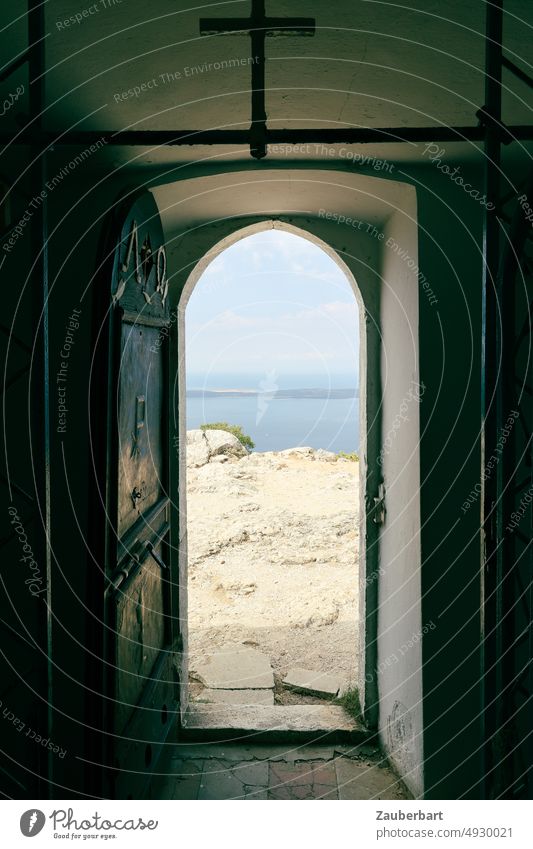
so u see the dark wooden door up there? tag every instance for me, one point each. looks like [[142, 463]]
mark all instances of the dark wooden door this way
[[140, 596]]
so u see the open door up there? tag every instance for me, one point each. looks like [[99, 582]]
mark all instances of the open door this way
[[140, 631]]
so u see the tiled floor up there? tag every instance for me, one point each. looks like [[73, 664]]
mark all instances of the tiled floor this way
[[233, 771]]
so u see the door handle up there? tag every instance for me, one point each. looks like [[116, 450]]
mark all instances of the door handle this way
[[150, 549]]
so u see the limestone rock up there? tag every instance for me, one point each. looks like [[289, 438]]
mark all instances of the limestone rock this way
[[197, 451], [195, 436], [236, 668], [221, 442], [237, 697], [322, 454], [273, 558], [314, 683], [300, 451], [318, 719], [208, 446]]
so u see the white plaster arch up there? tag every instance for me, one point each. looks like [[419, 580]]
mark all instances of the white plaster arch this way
[[238, 234], [204, 215], [261, 227]]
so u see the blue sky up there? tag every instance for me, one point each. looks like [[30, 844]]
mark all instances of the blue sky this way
[[273, 303]]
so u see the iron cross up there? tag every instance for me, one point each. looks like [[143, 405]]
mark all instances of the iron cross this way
[[258, 26]]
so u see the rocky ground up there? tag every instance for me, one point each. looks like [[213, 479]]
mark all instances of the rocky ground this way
[[273, 555]]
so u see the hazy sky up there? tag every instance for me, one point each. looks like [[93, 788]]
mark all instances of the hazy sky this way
[[273, 302]]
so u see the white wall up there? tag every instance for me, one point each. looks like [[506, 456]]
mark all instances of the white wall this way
[[449, 247], [202, 217], [399, 661]]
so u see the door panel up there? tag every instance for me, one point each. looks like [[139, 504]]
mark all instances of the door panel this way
[[140, 630], [141, 408], [140, 622]]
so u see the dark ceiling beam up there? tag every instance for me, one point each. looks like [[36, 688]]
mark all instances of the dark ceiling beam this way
[[170, 138]]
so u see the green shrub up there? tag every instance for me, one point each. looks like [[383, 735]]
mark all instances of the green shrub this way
[[236, 430], [354, 457], [350, 702]]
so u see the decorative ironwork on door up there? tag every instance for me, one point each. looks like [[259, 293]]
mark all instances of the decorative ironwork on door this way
[[139, 608]]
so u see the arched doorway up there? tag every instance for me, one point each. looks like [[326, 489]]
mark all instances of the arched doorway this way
[[273, 576], [359, 219]]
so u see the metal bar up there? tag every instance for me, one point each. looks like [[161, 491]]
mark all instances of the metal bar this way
[[16, 376], [14, 65], [225, 26], [170, 138], [491, 237], [270, 26], [258, 26], [305, 27], [258, 21], [513, 561], [39, 233], [530, 670], [15, 339], [258, 145], [491, 563], [133, 565], [17, 488], [498, 126], [518, 72], [151, 550]]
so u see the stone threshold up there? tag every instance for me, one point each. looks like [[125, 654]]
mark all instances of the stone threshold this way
[[272, 724]]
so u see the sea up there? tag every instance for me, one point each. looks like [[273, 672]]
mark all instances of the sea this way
[[272, 411]]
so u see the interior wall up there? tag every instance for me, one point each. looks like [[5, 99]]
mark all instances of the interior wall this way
[[449, 245], [445, 639], [445, 266], [77, 282], [399, 661], [24, 578], [449, 254], [359, 240]]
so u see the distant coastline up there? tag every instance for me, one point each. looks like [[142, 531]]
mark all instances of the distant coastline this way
[[320, 393]]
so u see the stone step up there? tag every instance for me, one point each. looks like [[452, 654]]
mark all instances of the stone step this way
[[266, 724], [236, 697]]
